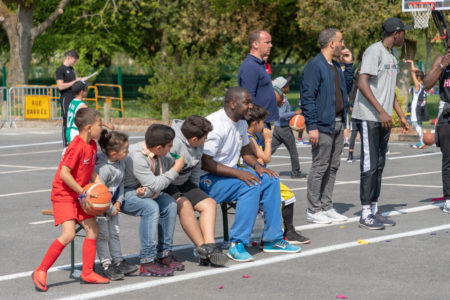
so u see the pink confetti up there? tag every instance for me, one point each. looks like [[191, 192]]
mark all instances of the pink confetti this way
[[341, 297], [220, 287], [245, 276]]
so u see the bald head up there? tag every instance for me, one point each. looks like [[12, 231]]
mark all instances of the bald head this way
[[234, 94]]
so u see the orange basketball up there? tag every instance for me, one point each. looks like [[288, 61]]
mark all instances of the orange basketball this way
[[428, 138], [103, 201], [297, 122]]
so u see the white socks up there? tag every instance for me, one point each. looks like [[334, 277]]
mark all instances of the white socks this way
[[373, 209], [366, 211], [374, 206]]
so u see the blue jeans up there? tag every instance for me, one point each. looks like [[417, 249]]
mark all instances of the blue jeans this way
[[158, 214], [248, 199]]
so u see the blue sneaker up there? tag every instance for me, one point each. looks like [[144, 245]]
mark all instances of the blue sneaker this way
[[280, 246], [237, 252]]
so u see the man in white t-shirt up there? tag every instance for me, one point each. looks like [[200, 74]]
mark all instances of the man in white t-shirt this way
[[372, 112], [226, 182]]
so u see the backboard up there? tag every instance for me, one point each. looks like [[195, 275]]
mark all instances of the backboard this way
[[439, 5]]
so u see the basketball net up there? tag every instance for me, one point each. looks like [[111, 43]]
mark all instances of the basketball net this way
[[421, 13]]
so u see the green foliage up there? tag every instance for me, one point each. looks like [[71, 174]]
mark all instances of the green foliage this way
[[192, 87], [403, 103]]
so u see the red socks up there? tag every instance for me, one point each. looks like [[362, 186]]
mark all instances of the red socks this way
[[89, 250], [52, 254]]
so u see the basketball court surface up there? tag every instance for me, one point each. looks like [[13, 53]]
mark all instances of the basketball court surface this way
[[408, 261]]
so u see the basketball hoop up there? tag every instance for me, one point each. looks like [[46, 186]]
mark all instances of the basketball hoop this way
[[421, 12]]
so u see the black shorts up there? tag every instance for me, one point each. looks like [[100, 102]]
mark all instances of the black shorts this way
[[189, 190]]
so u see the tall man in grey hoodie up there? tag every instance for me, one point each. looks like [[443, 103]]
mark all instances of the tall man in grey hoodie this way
[[190, 136]]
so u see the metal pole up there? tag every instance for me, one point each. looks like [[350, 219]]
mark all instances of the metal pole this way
[[119, 82]]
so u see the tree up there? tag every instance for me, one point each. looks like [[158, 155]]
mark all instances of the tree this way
[[18, 22]]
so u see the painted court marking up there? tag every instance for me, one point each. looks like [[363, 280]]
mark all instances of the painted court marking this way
[[261, 262]]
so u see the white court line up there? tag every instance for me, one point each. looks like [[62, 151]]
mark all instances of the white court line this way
[[415, 155], [24, 193], [30, 153], [262, 262], [28, 170], [50, 143], [23, 167], [41, 222], [414, 185], [389, 213]]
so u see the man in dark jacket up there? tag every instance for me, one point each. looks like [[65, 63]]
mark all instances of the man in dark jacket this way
[[324, 104]]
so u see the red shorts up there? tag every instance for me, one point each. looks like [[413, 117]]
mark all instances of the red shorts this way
[[64, 211]]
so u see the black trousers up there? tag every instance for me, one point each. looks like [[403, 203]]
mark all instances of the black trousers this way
[[353, 135], [374, 143], [443, 130], [284, 135]]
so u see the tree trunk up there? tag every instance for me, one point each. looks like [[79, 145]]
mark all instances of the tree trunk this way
[[428, 46], [21, 44]]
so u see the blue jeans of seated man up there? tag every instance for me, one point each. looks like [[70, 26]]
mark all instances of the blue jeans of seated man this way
[[228, 189], [158, 214]]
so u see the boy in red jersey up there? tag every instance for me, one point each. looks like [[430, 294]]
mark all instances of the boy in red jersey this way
[[76, 169]]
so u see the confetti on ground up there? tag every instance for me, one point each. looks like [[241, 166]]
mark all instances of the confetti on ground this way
[[254, 244], [363, 242], [245, 276], [341, 297], [388, 241], [220, 287], [433, 233], [341, 226]]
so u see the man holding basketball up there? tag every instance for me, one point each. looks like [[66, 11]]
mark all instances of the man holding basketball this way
[[441, 71], [324, 90]]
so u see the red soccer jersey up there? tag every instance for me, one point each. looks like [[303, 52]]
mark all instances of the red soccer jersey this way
[[80, 157]]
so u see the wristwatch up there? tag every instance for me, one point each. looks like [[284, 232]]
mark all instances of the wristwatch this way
[[82, 196]]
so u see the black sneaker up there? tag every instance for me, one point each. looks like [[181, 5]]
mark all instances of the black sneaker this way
[[384, 220], [127, 268], [211, 254], [370, 223], [294, 237], [350, 157], [112, 272], [298, 175]]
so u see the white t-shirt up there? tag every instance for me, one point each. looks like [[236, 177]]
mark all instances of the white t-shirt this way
[[415, 99], [382, 66], [226, 140]]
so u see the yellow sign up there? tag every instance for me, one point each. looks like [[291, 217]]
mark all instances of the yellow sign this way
[[37, 107]]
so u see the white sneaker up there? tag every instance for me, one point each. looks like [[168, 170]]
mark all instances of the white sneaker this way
[[334, 216], [318, 218], [446, 208]]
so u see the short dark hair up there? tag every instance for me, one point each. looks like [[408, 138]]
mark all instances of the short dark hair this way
[[112, 141], [233, 93], [158, 135], [196, 126], [72, 53], [326, 35], [254, 36], [420, 74], [86, 116], [256, 114]]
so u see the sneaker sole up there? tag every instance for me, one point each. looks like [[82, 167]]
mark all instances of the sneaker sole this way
[[371, 228], [281, 251], [338, 220], [218, 259], [155, 275], [318, 222], [82, 281], [298, 242], [132, 273], [240, 260]]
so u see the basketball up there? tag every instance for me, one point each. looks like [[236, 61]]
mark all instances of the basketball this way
[[103, 201], [297, 122], [428, 138]]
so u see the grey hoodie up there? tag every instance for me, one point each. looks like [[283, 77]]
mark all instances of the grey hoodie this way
[[192, 156], [112, 174], [138, 172]]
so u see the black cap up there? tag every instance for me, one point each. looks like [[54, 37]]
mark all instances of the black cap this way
[[79, 86], [394, 24]]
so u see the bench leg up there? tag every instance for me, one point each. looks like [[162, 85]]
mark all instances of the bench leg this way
[[73, 273], [223, 206]]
